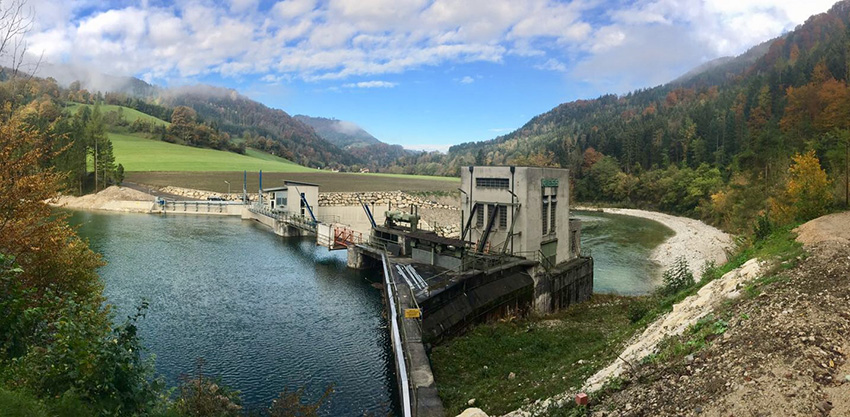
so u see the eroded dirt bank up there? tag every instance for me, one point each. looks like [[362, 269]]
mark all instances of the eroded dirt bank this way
[[782, 350]]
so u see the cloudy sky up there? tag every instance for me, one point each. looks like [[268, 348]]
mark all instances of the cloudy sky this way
[[422, 73]]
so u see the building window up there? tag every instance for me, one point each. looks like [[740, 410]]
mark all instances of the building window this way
[[503, 216], [479, 215], [553, 204], [491, 210], [492, 182], [548, 207]]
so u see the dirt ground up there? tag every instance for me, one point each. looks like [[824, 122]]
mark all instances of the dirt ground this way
[[328, 181], [834, 227], [784, 353], [113, 193]]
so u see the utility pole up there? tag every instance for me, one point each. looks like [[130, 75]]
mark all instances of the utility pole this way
[[95, 165]]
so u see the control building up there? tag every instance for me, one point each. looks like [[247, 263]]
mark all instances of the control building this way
[[522, 211]]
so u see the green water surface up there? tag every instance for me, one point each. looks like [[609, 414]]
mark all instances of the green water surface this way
[[621, 247]]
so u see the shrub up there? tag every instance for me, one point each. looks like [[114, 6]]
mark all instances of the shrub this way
[[289, 404], [678, 277], [763, 227], [202, 396], [637, 311]]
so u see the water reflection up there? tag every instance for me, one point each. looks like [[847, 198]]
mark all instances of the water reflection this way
[[621, 247], [265, 313]]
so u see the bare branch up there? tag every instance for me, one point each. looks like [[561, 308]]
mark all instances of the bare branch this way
[[16, 20]]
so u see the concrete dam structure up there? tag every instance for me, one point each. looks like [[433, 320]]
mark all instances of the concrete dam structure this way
[[518, 253]]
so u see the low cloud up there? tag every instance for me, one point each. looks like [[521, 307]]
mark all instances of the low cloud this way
[[467, 80], [429, 148], [348, 128]]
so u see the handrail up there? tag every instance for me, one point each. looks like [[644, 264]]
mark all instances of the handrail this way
[[399, 351]]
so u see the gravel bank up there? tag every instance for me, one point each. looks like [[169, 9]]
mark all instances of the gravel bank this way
[[696, 241], [113, 198]]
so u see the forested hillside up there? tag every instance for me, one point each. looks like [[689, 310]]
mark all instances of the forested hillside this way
[[221, 118], [272, 130], [366, 150], [717, 144], [341, 133]]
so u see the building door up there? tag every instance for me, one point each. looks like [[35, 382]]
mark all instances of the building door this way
[[550, 252]]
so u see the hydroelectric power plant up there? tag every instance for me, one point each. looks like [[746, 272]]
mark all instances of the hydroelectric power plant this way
[[518, 251]]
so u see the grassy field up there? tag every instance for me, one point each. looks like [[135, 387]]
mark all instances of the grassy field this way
[[140, 154], [130, 115], [542, 353], [328, 181], [157, 163]]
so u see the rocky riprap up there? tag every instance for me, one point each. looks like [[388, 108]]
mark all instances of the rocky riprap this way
[[398, 199]]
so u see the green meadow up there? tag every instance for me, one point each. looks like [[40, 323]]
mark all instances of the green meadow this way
[[131, 115], [141, 154]]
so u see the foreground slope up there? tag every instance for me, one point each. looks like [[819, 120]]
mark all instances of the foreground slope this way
[[780, 350]]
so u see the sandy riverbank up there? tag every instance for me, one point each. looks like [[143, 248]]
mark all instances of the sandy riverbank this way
[[695, 240], [113, 198]]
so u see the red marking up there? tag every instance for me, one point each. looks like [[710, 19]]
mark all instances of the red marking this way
[[581, 398]]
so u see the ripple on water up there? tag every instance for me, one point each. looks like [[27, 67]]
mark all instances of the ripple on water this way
[[265, 314], [621, 248]]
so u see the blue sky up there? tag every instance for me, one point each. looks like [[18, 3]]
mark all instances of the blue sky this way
[[422, 73]]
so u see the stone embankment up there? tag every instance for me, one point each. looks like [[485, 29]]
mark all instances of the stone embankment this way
[[398, 199], [202, 194]]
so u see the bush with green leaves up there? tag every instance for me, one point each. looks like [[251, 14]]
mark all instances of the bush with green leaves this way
[[678, 277], [67, 346]]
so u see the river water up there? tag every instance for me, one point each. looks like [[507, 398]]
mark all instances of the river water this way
[[621, 247], [264, 313], [268, 314]]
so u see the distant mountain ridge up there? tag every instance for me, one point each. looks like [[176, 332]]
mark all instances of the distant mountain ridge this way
[[341, 133]]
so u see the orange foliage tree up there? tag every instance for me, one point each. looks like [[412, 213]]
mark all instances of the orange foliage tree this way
[[37, 239]]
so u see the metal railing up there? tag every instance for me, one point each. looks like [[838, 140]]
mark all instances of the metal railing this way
[[539, 257], [197, 205], [300, 222]]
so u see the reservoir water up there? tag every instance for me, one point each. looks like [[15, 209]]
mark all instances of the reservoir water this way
[[264, 313], [268, 314]]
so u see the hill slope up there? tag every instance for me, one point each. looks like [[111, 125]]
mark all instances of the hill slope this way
[[341, 133], [716, 144], [136, 153], [236, 115]]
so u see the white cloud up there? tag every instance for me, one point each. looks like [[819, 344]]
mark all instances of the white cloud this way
[[341, 39], [552, 65], [371, 84], [467, 80]]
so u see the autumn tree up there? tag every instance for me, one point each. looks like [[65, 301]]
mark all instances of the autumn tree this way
[[183, 124], [100, 148], [807, 193]]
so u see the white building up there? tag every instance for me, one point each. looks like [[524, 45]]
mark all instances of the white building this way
[[291, 198], [527, 209]]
